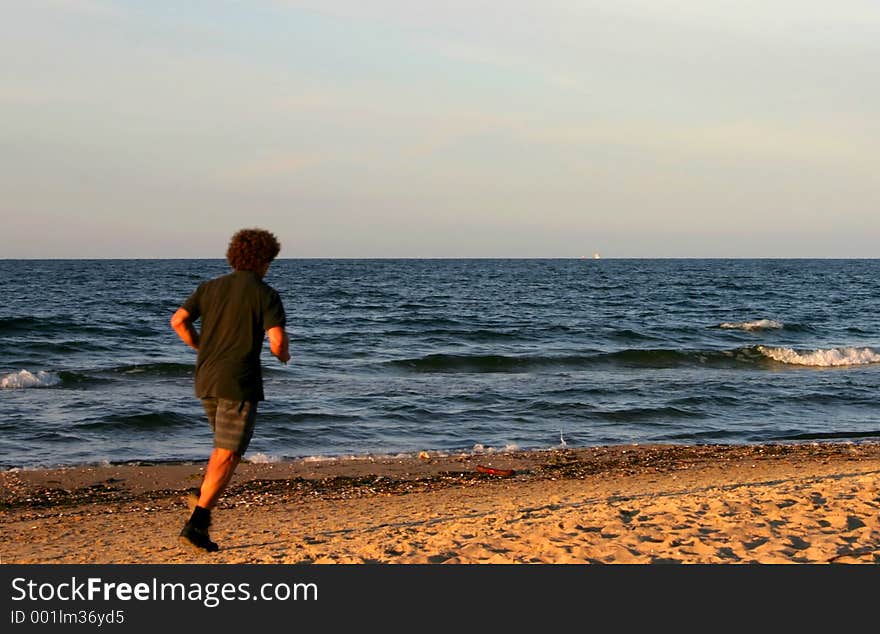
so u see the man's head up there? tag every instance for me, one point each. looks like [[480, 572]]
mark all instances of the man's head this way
[[252, 250]]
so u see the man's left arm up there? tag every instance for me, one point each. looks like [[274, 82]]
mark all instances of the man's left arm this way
[[279, 343]]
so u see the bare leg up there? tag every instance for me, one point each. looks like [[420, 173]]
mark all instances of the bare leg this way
[[218, 473]]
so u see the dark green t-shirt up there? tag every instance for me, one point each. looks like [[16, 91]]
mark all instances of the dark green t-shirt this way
[[236, 311]]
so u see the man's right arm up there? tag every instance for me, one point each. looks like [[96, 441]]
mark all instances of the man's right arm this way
[[183, 326]]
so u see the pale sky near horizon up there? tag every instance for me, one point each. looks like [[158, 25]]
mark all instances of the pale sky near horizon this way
[[395, 128]]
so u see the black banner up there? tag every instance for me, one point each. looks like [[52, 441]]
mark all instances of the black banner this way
[[119, 598]]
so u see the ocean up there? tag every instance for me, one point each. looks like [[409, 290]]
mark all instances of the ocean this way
[[396, 357]]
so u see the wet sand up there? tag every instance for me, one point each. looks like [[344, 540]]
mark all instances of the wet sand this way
[[802, 503]]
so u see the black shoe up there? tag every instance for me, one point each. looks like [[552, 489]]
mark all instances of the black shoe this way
[[197, 538]]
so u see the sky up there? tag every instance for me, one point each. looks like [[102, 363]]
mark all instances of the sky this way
[[403, 128]]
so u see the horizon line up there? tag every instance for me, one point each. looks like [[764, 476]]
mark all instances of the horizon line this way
[[465, 257]]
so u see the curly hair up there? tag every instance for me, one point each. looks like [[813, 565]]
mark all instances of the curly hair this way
[[252, 249]]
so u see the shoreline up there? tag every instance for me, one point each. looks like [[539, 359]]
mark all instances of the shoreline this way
[[801, 502]]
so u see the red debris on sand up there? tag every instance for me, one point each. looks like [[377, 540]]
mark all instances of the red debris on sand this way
[[494, 471]]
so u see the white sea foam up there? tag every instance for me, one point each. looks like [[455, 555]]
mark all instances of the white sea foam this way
[[757, 324], [24, 378], [319, 459], [481, 449], [372, 457], [261, 458], [822, 358]]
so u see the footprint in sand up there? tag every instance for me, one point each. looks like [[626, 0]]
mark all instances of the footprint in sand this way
[[853, 523], [626, 516], [798, 543]]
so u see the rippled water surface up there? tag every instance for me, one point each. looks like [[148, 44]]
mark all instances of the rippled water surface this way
[[399, 356]]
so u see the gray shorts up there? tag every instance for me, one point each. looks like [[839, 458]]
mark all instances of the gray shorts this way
[[232, 423]]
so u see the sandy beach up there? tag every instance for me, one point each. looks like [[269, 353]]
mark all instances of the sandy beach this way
[[803, 503]]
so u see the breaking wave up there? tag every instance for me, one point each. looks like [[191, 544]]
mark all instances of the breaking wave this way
[[25, 379], [832, 357], [749, 356], [757, 324]]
